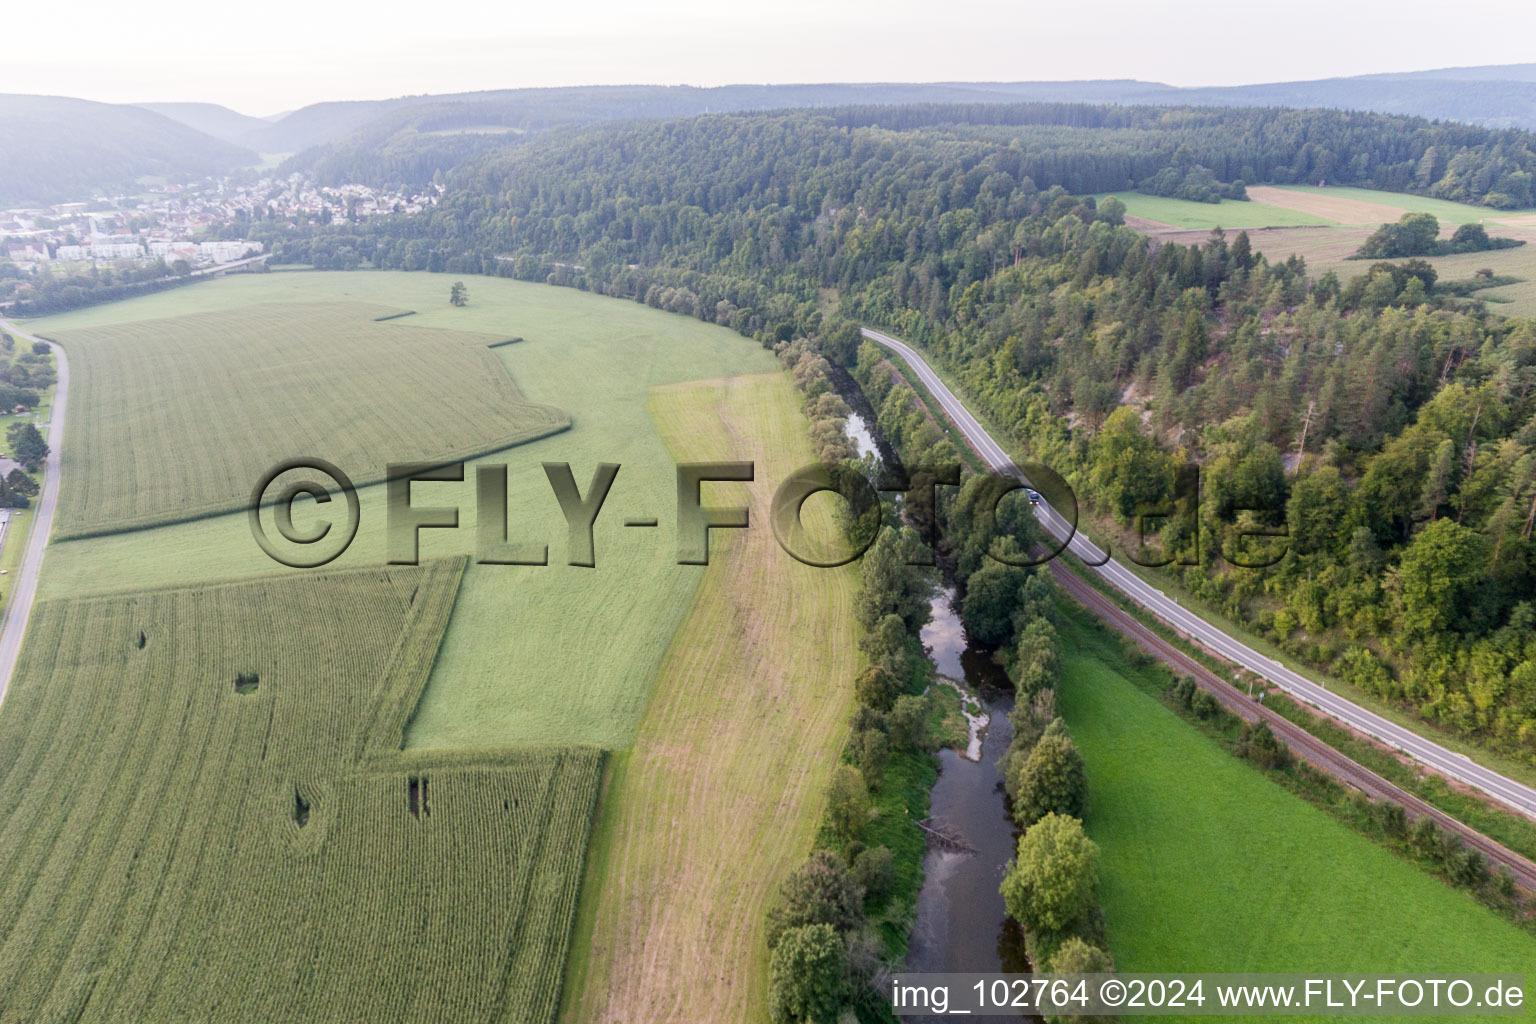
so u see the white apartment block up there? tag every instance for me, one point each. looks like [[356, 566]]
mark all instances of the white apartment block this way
[[226, 252], [117, 251]]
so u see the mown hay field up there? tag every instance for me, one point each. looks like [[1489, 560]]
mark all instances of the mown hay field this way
[[177, 418], [1347, 205], [533, 654], [719, 797], [1208, 865], [207, 816]]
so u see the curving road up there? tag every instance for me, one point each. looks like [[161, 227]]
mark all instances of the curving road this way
[[19, 608], [1456, 766]]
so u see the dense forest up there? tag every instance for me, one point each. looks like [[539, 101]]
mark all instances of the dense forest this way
[[1389, 426]]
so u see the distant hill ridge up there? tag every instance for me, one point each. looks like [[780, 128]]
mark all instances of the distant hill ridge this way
[[58, 148], [1449, 93]]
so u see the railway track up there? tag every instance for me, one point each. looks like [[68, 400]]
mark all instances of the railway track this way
[[1302, 743]]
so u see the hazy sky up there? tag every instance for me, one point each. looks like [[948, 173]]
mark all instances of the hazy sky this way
[[264, 58]]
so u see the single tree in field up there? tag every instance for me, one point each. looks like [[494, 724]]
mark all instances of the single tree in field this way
[[458, 295], [807, 976], [1054, 880]]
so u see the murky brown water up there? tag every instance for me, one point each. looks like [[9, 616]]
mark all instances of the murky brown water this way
[[961, 924]]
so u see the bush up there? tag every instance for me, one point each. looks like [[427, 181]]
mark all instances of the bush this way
[[876, 688], [871, 750], [1259, 745], [875, 870], [820, 891], [1205, 705], [1392, 818], [1469, 868], [1051, 780], [1428, 840], [909, 722], [1183, 691], [807, 976]]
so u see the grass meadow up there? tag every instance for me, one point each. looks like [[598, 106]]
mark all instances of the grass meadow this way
[[721, 793], [533, 654], [1208, 865], [1229, 213], [208, 816]]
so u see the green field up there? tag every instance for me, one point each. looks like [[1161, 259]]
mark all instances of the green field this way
[[176, 418], [533, 654], [1229, 213], [208, 816], [1207, 865]]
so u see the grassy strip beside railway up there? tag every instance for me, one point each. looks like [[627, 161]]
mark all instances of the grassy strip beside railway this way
[[1512, 830], [1189, 835]]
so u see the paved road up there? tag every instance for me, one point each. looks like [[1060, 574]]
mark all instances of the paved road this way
[[1456, 766], [19, 608]]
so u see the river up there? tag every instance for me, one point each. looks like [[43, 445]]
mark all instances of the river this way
[[961, 924], [862, 437]]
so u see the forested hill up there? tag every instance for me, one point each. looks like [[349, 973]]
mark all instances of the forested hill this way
[[756, 159], [57, 149], [407, 139], [527, 109], [1412, 559]]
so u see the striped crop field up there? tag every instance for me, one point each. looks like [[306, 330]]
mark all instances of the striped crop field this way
[[209, 816], [176, 418]]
